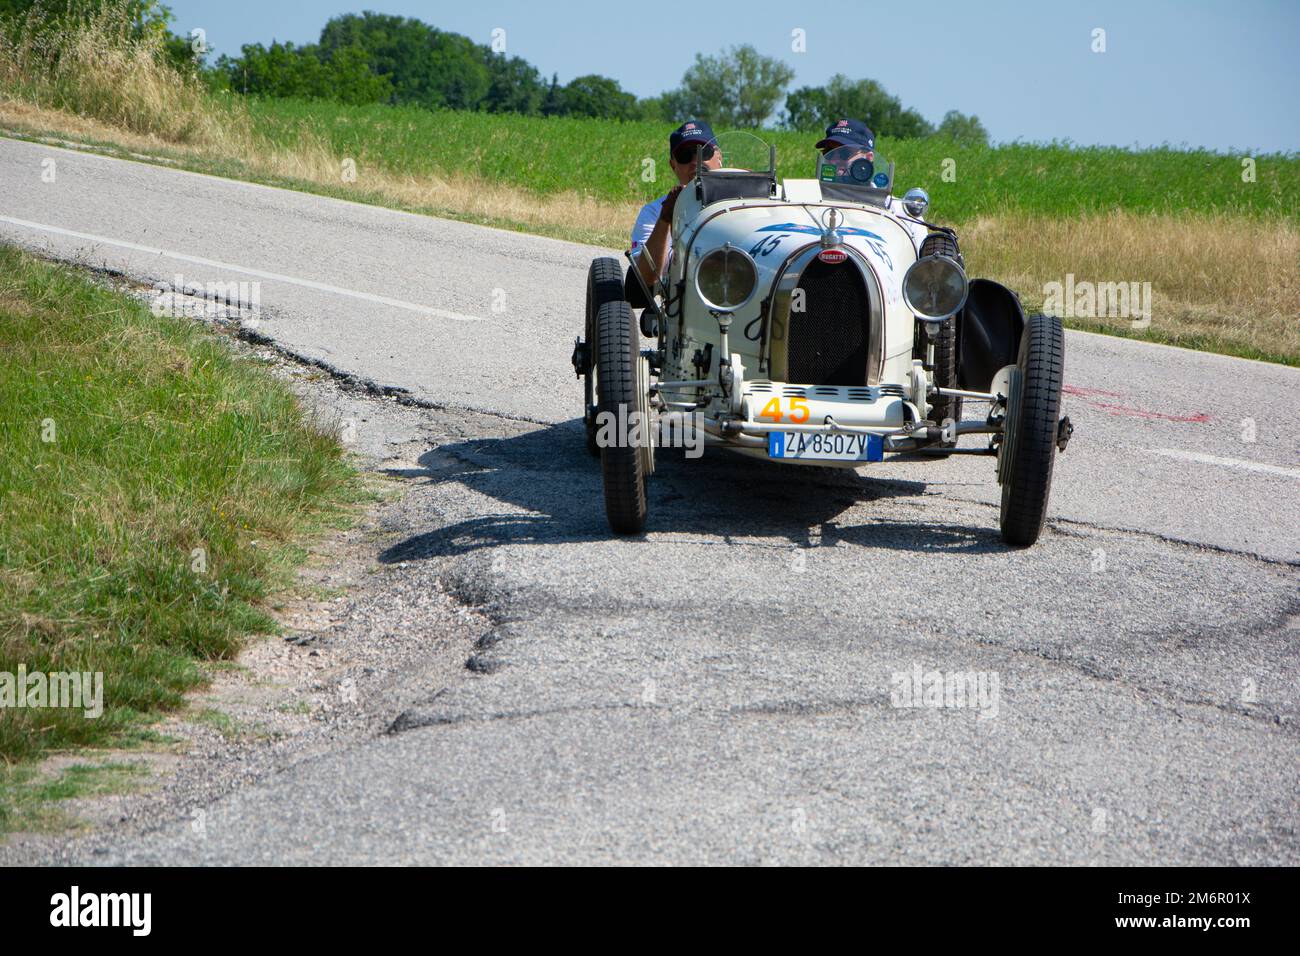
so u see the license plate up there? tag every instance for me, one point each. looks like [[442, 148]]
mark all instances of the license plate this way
[[818, 446]]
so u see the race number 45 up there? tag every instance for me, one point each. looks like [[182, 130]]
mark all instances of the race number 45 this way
[[797, 411]]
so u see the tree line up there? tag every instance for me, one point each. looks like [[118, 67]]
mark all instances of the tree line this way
[[383, 58]]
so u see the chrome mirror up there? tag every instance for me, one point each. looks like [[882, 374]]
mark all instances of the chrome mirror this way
[[916, 201]]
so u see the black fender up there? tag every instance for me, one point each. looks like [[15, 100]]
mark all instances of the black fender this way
[[634, 291], [989, 327]]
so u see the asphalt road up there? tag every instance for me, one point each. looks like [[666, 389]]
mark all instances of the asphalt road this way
[[721, 690]]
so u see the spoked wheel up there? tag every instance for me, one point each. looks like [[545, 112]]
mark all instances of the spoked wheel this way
[[1028, 448], [623, 413], [604, 284]]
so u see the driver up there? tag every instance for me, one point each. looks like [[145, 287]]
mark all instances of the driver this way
[[848, 132], [652, 240]]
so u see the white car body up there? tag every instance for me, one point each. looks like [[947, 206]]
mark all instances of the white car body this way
[[882, 245], [817, 321]]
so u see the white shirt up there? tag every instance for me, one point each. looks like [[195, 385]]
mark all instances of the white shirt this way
[[645, 224]]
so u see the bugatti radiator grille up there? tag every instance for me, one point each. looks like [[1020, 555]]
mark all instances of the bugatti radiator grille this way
[[829, 341]]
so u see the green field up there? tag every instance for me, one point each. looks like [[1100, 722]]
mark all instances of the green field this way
[[604, 160]]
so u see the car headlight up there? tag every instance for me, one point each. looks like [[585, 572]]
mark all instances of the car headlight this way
[[935, 287], [726, 278]]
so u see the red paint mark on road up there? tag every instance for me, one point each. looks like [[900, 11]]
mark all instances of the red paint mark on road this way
[[1089, 396], [1197, 419]]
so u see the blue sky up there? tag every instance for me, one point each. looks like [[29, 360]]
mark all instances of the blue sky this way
[[1222, 75]]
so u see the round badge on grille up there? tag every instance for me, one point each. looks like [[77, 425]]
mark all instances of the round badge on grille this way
[[833, 256]]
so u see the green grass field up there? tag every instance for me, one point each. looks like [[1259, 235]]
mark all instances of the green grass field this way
[[605, 160], [155, 488]]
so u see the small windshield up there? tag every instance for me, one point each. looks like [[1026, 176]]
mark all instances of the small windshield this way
[[854, 165], [742, 151], [743, 167]]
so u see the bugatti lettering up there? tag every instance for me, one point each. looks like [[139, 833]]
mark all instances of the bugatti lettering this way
[[784, 327]]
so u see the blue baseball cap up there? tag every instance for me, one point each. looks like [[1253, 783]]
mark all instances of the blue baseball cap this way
[[692, 131], [846, 132]]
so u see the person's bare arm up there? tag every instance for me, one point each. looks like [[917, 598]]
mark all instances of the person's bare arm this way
[[654, 253]]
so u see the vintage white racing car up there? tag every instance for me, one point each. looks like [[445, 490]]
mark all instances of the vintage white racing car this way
[[817, 321]]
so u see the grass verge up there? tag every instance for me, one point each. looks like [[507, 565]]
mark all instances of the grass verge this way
[[30, 800], [155, 487]]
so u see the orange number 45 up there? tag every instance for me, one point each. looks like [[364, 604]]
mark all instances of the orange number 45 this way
[[798, 412]]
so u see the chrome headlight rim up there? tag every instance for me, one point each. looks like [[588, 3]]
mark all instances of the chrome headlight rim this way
[[915, 202], [965, 288], [734, 250]]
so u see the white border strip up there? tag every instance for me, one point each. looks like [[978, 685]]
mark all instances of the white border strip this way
[[259, 273], [1228, 462]]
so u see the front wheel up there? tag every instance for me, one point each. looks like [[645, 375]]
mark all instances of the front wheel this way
[[604, 284], [1028, 448], [623, 424]]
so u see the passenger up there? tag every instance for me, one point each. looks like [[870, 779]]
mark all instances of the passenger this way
[[652, 241]]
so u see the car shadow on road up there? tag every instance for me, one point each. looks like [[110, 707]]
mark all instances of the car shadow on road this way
[[555, 494]]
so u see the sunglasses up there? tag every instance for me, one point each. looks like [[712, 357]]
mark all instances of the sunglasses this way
[[685, 155]]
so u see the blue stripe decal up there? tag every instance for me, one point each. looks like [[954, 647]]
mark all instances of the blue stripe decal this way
[[814, 231], [874, 242]]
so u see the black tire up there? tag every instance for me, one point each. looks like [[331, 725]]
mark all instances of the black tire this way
[[945, 345], [619, 382], [940, 244], [945, 375], [1028, 448], [604, 284]]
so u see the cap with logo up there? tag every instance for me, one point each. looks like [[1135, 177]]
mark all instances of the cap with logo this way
[[848, 132], [692, 131]]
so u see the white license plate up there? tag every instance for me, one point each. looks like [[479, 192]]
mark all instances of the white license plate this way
[[818, 446]]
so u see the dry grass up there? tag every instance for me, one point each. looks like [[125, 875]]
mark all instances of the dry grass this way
[[1213, 278], [94, 67], [568, 215]]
